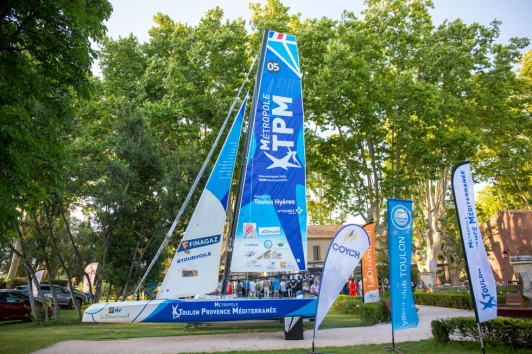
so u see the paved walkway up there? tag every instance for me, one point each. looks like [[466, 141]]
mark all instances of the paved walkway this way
[[338, 337]]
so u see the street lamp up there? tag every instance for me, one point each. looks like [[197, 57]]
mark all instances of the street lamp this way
[[506, 253]]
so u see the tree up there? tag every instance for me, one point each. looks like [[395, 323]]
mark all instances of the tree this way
[[45, 57]]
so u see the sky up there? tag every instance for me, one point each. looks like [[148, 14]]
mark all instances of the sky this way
[[136, 16]]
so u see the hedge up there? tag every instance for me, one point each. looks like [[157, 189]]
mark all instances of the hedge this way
[[18, 281], [509, 332], [370, 314], [347, 304], [455, 301], [24, 281]]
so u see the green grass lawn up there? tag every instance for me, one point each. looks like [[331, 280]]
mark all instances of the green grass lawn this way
[[21, 337], [421, 347]]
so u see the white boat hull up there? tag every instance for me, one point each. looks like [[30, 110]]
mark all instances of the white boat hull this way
[[200, 310]]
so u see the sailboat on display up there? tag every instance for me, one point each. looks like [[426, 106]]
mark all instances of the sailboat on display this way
[[269, 228]]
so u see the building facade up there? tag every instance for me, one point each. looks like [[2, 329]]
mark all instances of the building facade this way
[[319, 238], [508, 233]]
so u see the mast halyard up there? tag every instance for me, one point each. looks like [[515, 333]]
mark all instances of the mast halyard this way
[[243, 167]]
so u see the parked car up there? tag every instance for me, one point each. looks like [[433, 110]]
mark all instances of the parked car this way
[[87, 295], [15, 305], [63, 296], [23, 288]]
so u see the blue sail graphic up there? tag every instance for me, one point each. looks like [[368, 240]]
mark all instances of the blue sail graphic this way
[[271, 232]]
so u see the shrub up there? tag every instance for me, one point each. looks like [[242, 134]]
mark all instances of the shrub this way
[[18, 281], [373, 313], [370, 314], [510, 332], [455, 301], [347, 304]]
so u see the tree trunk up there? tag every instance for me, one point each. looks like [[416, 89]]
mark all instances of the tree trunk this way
[[98, 287], [15, 261], [76, 252], [52, 290], [431, 201], [108, 293], [31, 274], [124, 295], [30, 294], [67, 273], [33, 280]]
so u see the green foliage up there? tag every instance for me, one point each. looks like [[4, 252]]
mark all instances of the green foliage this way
[[370, 314], [17, 282], [456, 301], [45, 58], [509, 332], [374, 313], [392, 100], [347, 304]]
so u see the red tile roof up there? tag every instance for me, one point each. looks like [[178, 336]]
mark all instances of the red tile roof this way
[[322, 231]]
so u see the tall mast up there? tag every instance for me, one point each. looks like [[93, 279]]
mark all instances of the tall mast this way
[[245, 157]]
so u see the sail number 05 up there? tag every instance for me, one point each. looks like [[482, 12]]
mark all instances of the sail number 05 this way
[[273, 66]]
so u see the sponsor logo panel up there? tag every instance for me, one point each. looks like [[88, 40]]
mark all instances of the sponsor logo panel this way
[[199, 242], [192, 258], [401, 217], [272, 230], [250, 230]]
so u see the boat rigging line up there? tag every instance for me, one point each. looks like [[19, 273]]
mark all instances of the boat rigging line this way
[[195, 184]]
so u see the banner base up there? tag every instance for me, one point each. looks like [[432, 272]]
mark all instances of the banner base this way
[[293, 328], [392, 349]]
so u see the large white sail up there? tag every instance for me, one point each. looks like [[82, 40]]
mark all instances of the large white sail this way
[[196, 264]]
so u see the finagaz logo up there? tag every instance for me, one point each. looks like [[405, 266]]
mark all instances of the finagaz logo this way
[[250, 230], [174, 312], [401, 218], [273, 230], [198, 242]]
